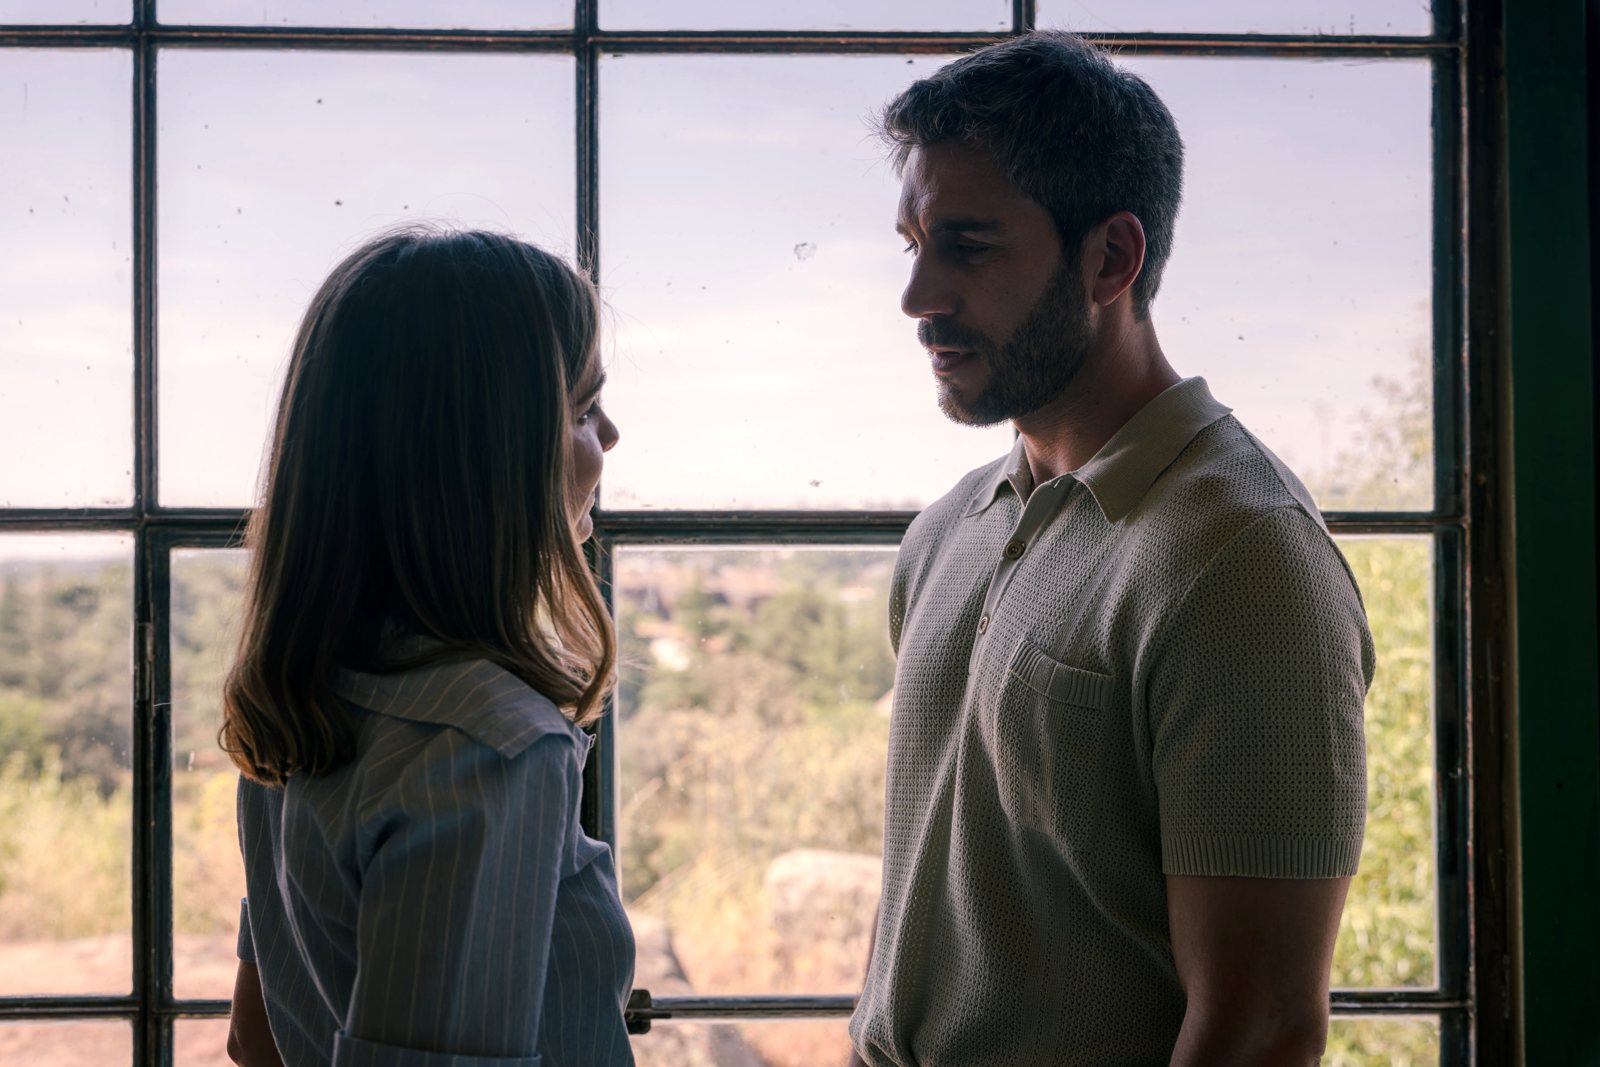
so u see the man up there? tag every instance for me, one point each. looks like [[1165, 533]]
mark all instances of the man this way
[[1126, 786]]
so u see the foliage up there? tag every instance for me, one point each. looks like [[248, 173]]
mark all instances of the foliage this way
[[1389, 465], [66, 653], [767, 737], [1382, 1043], [1388, 933], [64, 856]]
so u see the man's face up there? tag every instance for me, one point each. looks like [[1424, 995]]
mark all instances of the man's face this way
[[1002, 312]]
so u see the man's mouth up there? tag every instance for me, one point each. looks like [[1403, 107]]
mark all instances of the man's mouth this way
[[946, 360]]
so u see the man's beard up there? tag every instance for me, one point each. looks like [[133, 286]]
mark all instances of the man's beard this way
[[1030, 368]]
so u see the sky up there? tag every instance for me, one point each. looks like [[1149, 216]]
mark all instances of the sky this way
[[752, 276], [1125, 16]]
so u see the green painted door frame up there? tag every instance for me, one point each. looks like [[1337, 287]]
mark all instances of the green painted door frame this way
[[1552, 530]]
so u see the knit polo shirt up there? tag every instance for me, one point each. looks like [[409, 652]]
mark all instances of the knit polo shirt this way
[[1155, 665]]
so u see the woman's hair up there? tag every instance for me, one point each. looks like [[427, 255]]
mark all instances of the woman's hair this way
[[417, 484]]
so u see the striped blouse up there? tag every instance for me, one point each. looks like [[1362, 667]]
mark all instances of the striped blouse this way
[[433, 902]]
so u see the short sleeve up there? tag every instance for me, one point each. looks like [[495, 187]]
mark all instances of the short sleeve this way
[[457, 904], [1255, 698], [246, 949]]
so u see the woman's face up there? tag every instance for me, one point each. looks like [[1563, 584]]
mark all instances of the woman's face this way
[[593, 435]]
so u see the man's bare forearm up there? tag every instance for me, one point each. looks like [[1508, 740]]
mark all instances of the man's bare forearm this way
[[1251, 1041]]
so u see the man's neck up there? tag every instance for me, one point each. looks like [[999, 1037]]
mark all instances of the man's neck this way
[[1113, 385]]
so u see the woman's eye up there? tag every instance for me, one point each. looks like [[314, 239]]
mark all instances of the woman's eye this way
[[589, 412]]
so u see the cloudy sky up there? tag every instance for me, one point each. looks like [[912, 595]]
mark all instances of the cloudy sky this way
[[758, 356]]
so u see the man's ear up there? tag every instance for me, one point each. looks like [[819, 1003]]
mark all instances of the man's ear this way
[[1113, 256]]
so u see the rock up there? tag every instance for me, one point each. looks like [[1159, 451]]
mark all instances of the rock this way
[[821, 905], [679, 1044]]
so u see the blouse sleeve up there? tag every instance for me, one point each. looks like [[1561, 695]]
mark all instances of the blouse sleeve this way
[[457, 901], [245, 947]]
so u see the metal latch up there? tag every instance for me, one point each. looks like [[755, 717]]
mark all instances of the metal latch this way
[[640, 1011]]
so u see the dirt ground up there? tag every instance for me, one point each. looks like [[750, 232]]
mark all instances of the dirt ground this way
[[202, 968]]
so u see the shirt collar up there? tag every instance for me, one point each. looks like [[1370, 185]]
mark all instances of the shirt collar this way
[[1119, 475], [482, 700]]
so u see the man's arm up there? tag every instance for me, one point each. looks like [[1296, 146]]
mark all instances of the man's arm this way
[[250, 1041], [1253, 955]]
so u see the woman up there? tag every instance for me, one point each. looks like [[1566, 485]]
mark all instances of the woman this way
[[421, 644]]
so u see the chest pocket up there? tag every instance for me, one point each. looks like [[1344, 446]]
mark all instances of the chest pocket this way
[[1051, 733]]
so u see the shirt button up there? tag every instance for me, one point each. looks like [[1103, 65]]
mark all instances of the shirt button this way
[[983, 624], [1015, 549]]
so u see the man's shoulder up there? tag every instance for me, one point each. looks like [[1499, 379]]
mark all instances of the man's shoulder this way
[[1224, 483], [1225, 478]]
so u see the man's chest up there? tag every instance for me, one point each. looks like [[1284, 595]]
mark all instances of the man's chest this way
[[1009, 688]]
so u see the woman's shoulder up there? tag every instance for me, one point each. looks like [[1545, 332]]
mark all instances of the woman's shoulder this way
[[477, 698]]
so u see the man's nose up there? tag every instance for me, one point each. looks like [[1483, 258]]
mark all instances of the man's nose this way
[[928, 292]]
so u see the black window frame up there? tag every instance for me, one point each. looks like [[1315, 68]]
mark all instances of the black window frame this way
[[1473, 997]]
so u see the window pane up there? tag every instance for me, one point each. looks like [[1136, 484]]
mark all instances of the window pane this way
[[752, 724], [1378, 17], [750, 259], [201, 1042], [924, 15], [78, 1043], [275, 165], [66, 646], [66, 363], [1369, 1042], [1300, 280], [373, 14], [1389, 932], [64, 12], [207, 874], [765, 361]]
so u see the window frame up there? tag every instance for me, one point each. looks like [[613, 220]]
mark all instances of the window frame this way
[[1474, 995]]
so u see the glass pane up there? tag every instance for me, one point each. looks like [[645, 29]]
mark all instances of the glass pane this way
[[764, 361], [65, 13], [207, 874], [1369, 1042], [1300, 280], [66, 648], [1389, 932], [78, 1043], [753, 722], [1378, 17], [201, 1042], [275, 165], [370, 14], [66, 362], [923, 15]]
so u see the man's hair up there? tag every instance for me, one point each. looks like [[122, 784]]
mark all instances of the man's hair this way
[[1074, 132]]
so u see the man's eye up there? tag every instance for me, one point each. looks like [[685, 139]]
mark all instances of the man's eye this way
[[971, 250], [911, 247]]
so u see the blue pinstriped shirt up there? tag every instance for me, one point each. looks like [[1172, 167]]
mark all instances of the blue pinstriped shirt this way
[[433, 902]]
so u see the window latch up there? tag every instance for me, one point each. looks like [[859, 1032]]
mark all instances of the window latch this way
[[640, 1012]]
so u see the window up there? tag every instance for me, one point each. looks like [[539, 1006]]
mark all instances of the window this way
[[180, 178]]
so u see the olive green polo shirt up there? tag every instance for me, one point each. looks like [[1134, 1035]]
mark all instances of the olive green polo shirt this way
[[1154, 665]]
